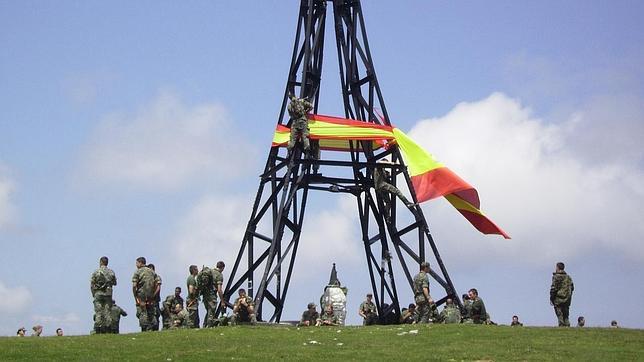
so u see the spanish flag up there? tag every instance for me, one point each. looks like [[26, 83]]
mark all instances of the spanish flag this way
[[430, 178]]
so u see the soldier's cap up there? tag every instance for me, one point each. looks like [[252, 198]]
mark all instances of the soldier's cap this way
[[424, 264], [311, 305]]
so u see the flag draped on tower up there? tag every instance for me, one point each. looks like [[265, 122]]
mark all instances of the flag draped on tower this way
[[430, 178]]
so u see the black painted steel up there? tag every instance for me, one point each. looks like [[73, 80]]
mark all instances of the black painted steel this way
[[393, 238]]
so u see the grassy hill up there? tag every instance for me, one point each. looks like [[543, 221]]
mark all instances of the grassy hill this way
[[409, 342]]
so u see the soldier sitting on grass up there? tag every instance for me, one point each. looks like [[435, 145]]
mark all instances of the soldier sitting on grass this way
[[408, 315], [328, 318], [243, 309], [310, 316]]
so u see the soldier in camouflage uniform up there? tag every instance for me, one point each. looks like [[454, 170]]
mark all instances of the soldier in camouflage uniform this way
[[423, 300], [328, 318], [408, 315], [298, 109], [145, 288], [380, 177], [180, 317], [192, 299], [368, 311], [310, 316], [101, 283], [157, 299], [116, 313], [243, 309], [211, 293], [167, 308], [478, 314], [561, 291], [450, 314]]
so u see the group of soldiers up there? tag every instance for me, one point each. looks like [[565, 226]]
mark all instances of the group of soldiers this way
[[424, 309], [203, 285], [206, 286]]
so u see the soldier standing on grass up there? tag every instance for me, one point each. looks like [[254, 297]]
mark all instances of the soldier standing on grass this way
[[101, 283], [192, 299], [561, 291], [157, 299], [145, 288], [421, 294]]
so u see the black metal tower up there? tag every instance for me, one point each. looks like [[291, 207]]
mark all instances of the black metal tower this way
[[267, 254]]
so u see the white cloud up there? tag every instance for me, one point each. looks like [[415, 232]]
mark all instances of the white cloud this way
[[212, 231], [546, 193], [167, 145], [67, 318], [214, 228], [14, 300], [6, 207]]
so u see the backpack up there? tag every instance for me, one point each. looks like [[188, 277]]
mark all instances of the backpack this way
[[147, 284], [204, 280], [100, 280]]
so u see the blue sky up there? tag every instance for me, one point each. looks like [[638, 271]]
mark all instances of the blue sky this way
[[140, 129]]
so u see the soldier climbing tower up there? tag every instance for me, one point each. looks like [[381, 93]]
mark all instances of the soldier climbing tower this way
[[394, 238]]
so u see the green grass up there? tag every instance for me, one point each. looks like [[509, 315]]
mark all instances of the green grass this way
[[395, 343]]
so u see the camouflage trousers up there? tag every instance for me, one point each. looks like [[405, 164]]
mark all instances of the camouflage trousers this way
[[157, 316], [102, 314], [210, 320], [423, 311], [299, 127], [147, 317], [562, 312], [243, 318], [193, 316], [370, 319], [386, 187]]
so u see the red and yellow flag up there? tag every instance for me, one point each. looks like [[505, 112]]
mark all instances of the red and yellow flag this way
[[430, 178]]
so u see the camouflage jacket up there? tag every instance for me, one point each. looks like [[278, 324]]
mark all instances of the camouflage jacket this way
[[450, 315], [299, 108], [145, 283], [379, 178], [242, 309], [421, 280], [561, 288], [102, 281], [192, 299], [170, 303], [368, 307], [328, 319], [311, 316], [477, 311], [407, 316], [116, 312]]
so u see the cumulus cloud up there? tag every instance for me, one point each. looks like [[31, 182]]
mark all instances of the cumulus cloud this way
[[166, 145], [6, 188], [537, 182], [212, 230], [67, 318], [14, 300]]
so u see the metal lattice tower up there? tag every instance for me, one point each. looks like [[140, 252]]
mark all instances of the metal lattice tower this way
[[287, 179]]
